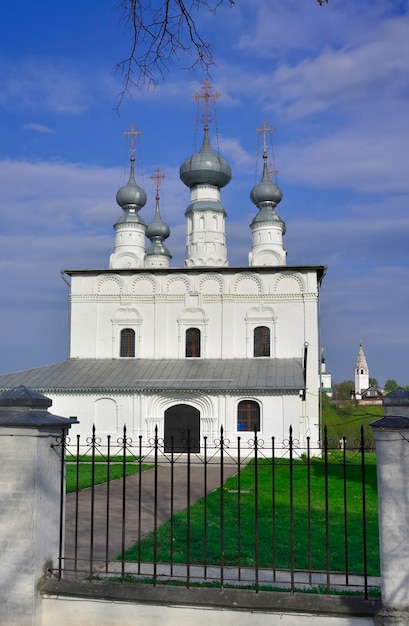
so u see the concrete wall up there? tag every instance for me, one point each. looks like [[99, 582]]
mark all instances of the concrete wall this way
[[109, 605], [68, 611], [391, 434], [30, 487]]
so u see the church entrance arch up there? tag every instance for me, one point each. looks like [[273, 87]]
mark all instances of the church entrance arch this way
[[181, 421]]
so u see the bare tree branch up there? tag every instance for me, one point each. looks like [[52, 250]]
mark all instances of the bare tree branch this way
[[161, 31]]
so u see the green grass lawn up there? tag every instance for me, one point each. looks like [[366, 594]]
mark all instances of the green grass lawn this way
[[346, 420], [272, 532], [84, 471]]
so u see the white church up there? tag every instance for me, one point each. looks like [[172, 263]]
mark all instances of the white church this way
[[197, 347]]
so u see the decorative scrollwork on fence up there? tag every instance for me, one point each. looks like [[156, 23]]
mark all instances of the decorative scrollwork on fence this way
[[291, 443], [125, 442], [255, 443], [222, 443], [93, 441], [156, 442]]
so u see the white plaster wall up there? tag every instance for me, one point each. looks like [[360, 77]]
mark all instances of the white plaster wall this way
[[226, 306], [161, 300], [68, 611], [142, 412]]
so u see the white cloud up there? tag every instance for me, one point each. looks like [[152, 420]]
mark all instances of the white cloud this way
[[38, 84], [368, 160], [56, 195], [367, 73], [283, 29], [39, 128]]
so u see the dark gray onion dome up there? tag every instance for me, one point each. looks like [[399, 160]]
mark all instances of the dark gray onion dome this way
[[205, 167], [266, 214], [131, 195], [266, 190], [157, 227], [158, 249], [157, 231]]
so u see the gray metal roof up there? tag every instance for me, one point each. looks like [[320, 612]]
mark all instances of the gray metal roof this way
[[258, 374]]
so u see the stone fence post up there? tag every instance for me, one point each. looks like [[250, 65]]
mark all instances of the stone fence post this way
[[30, 488], [391, 434]]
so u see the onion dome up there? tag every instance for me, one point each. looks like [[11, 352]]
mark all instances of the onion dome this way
[[131, 196], [157, 231], [266, 190], [205, 167], [266, 195], [157, 227]]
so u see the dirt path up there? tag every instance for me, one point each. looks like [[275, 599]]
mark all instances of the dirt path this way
[[103, 541]]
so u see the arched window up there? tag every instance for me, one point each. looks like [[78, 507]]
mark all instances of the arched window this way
[[192, 342], [248, 415], [127, 342], [262, 341]]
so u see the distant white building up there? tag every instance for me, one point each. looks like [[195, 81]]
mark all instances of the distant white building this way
[[197, 347], [325, 377], [361, 374], [364, 392]]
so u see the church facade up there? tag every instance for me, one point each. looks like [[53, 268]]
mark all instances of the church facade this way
[[190, 349]]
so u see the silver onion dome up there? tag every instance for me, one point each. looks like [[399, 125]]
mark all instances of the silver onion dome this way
[[131, 195], [205, 167], [157, 227], [266, 190]]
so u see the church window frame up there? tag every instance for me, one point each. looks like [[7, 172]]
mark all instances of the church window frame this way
[[192, 316], [261, 315], [193, 338], [127, 343], [248, 416], [261, 341]]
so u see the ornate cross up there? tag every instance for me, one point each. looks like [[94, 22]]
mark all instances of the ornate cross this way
[[266, 129], [204, 96], [132, 133], [157, 177]]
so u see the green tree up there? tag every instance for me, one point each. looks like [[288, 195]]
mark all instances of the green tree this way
[[373, 382], [160, 32], [342, 391], [390, 385]]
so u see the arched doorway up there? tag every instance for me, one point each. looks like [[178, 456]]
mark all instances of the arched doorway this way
[[182, 421]]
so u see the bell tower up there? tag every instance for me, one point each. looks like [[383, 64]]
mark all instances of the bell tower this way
[[205, 173], [361, 373]]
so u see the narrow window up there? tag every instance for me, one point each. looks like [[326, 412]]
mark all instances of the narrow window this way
[[192, 342], [248, 415], [127, 342], [262, 341]]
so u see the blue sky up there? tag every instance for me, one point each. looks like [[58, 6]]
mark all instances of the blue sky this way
[[332, 80]]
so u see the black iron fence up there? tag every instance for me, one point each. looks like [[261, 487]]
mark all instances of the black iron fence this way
[[245, 513]]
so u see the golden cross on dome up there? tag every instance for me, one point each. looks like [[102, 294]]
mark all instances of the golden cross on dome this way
[[157, 177], [204, 96], [132, 133], [266, 129]]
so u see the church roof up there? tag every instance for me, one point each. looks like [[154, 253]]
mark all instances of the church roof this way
[[361, 360], [95, 375]]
